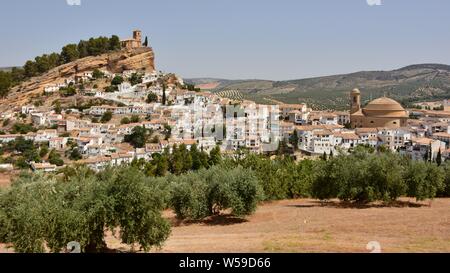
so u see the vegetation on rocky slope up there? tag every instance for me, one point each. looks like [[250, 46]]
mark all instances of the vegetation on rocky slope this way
[[69, 53]]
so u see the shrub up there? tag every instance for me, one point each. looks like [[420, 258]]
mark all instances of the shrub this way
[[125, 120]]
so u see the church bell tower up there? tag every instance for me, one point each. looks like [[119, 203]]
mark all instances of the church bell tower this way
[[356, 101]]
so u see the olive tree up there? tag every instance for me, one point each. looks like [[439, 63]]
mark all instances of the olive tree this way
[[210, 192], [424, 180], [42, 213]]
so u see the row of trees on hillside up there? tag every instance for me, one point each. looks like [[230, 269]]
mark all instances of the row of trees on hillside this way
[[69, 53]]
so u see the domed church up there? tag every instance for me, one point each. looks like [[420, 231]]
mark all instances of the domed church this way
[[382, 112]]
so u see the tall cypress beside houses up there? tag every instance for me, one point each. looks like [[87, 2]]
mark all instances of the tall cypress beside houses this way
[[164, 98], [439, 158]]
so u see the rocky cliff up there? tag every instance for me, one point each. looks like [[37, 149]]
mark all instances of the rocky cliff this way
[[141, 59]]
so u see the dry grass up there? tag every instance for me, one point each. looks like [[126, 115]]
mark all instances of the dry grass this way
[[309, 226], [5, 179]]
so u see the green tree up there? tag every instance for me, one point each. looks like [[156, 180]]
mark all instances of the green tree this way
[[117, 80], [138, 137], [151, 98], [135, 79], [145, 42], [48, 211], [6, 122], [111, 89], [75, 155], [114, 43], [176, 161], [424, 180], [22, 163], [439, 158], [187, 158], [294, 140], [83, 49], [67, 91], [57, 107], [30, 69], [5, 83], [106, 117], [164, 96], [162, 165], [43, 151], [446, 190], [167, 132], [70, 53], [197, 163], [55, 158], [189, 197], [22, 128], [215, 156], [210, 192]]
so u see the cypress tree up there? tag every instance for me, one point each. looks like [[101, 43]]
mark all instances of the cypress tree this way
[[146, 41], [439, 158]]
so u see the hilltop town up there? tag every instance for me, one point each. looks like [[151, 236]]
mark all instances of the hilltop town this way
[[89, 116]]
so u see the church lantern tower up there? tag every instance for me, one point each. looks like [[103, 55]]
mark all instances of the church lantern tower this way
[[356, 101]]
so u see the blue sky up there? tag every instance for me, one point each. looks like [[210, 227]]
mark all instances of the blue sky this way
[[241, 39]]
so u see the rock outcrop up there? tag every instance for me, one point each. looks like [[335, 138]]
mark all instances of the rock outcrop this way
[[140, 59]]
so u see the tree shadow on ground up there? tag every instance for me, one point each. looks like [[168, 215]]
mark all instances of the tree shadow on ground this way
[[217, 220], [357, 205]]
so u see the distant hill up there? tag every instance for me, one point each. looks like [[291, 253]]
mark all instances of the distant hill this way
[[408, 84], [6, 69]]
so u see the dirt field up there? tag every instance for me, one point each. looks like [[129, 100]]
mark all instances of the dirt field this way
[[5, 179], [309, 226]]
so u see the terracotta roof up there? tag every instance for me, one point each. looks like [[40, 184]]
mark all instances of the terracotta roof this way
[[422, 141], [366, 130], [348, 136], [322, 133], [385, 107]]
